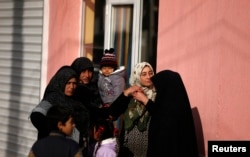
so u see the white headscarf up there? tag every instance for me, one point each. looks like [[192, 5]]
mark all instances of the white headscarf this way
[[135, 79]]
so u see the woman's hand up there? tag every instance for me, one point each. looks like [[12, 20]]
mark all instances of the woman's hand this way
[[140, 96], [131, 90]]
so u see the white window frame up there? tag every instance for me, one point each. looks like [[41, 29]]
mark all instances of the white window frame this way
[[137, 26]]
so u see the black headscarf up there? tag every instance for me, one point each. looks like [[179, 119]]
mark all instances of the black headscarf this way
[[55, 88], [54, 93], [82, 63], [171, 130]]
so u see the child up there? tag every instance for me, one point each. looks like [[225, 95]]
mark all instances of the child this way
[[111, 82], [61, 125], [106, 145]]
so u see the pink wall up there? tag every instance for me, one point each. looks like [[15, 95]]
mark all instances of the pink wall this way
[[64, 33], [207, 42]]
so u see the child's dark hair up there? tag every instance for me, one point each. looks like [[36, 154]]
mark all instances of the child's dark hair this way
[[104, 129], [58, 113]]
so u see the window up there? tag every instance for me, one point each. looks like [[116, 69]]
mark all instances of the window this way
[[128, 26]]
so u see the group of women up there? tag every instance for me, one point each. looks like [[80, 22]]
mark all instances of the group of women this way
[[157, 115]]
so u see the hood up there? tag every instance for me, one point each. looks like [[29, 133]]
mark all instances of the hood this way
[[121, 71], [110, 143]]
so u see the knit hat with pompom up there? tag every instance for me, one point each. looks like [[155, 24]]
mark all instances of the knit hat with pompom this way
[[109, 59]]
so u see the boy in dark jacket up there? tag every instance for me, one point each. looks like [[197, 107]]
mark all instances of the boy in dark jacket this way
[[61, 125]]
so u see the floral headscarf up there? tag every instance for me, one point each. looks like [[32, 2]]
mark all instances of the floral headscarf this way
[[136, 113], [135, 79]]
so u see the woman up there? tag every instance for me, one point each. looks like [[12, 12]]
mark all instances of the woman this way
[[60, 89], [87, 93], [136, 117], [171, 129]]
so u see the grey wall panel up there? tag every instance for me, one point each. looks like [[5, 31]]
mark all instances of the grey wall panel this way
[[21, 25]]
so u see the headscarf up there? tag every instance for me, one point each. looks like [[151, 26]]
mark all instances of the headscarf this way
[[82, 63], [136, 113], [54, 94], [55, 88]]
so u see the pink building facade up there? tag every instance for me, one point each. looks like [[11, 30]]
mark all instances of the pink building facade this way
[[207, 42]]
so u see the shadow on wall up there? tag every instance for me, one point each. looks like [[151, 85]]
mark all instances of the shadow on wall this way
[[199, 132]]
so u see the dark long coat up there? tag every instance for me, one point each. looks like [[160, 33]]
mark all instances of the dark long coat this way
[[171, 129]]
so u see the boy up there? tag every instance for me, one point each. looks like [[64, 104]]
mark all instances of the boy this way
[[61, 125]]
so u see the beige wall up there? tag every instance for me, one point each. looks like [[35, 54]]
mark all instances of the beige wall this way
[[64, 33], [207, 42]]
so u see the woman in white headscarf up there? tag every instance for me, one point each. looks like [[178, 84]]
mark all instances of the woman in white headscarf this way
[[136, 117]]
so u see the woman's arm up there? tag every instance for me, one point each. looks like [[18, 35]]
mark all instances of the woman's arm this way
[[119, 106], [149, 106], [148, 103]]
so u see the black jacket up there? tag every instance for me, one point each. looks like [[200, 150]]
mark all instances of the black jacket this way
[[55, 145]]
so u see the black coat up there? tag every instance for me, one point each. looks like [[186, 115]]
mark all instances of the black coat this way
[[171, 129], [90, 98]]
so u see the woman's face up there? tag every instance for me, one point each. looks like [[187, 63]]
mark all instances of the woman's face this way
[[86, 76], [70, 87], [145, 76]]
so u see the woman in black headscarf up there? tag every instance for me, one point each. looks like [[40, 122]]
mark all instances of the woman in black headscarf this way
[[88, 94], [171, 130], [60, 91]]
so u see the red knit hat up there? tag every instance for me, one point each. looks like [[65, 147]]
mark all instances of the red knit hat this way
[[109, 59]]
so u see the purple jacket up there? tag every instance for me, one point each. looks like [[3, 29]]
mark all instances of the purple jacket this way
[[107, 148]]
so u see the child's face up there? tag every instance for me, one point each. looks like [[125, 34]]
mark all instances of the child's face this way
[[107, 70], [68, 127]]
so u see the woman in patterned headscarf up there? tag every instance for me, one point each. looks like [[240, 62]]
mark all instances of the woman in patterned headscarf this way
[[136, 117]]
